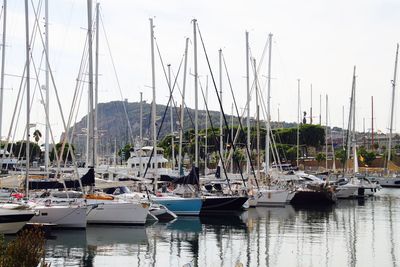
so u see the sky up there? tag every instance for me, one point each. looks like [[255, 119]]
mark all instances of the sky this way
[[315, 41]]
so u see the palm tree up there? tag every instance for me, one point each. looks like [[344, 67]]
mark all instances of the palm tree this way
[[37, 135]]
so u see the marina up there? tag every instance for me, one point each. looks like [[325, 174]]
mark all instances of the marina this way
[[196, 166]]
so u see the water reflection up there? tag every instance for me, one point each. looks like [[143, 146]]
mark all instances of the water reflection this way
[[351, 233]]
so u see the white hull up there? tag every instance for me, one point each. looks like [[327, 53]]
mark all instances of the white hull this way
[[61, 216], [113, 212], [13, 218], [346, 191], [388, 182], [272, 197]]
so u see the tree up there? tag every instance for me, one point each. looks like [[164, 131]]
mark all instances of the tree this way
[[320, 157], [19, 149], [66, 155], [37, 135], [341, 156], [125, 152]]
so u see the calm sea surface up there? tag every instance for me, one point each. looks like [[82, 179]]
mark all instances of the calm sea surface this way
[[351, 233]]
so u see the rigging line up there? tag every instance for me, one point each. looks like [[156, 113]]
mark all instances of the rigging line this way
[[21, 86], [266, 115], [165, 74], [215, 137], [185, 107], [175, 83], [222, 109], [238, 115], [31, 103], [176, 77], [74, 106], [33, 37], [41, 94], [56, 93], [117, 78], [162, 121]]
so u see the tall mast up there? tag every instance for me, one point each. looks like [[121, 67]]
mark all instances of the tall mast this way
[[258, 119], [326, 133], [221, 129], [196, 111], [92, 156], [298, 122], [28, 94], [343, 127], [47, 102], [248, 102], [267, 136], [232, 135], [311, 105], [392, 106], [3, 61], [372, 122], [96, 89], [206, 141], [172, 118], [182, 109], [153, 113], [320, 109], [141, 133]]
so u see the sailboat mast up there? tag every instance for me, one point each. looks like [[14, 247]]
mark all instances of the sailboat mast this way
[[141, 134], [267, 141], [372, 122], [172, 118], [47, 101], [257, 119], [311, 116], [326, 133], [28, 94], [206, 135], [182, 108], [298, 123], [248, 103], [232, 135], [92, 157], [3, 61], [320, 109], [392, 106], [153, 113], [196, 111], [221, 130], [96, 89]]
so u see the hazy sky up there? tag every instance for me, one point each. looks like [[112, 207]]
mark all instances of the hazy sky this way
[[318, 42]]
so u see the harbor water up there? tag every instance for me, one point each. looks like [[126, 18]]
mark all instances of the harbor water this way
[[350, 233]]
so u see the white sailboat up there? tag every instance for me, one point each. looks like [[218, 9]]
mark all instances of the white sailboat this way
[[13, 217]]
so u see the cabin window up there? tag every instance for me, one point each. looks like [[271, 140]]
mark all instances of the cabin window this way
[[159, 165], [132, 165]]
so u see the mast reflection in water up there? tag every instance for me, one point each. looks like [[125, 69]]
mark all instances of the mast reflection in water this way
[[351, 233]]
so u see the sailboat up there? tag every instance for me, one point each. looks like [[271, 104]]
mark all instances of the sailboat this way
[[394, 180]]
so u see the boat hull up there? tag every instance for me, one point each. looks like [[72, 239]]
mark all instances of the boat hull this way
[[12, 221], [60, 216], [314, 198], [223, 204], [181, 206], [389, 182], [125, 213], [272, 197]]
